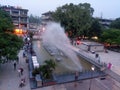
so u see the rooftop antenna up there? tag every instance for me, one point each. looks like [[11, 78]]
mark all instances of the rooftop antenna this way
[[101, 15]]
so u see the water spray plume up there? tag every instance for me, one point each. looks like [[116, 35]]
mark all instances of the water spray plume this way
[[55, 35]]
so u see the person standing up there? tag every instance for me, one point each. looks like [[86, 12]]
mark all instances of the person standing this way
[[21, 69], [76, 75], [76, 78], [19, 72], [14, 65], [109, 65], [97, 58]]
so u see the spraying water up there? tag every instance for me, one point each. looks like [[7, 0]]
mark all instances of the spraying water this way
[[55, 35]]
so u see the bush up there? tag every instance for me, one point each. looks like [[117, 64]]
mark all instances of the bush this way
[[35, 71]]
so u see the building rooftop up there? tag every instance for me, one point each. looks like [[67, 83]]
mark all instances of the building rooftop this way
[[12, 7]]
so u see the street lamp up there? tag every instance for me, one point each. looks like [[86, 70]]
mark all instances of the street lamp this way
[[92, 68]]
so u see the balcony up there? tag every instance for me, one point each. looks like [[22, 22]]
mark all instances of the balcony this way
[[15, 21], [14, 14], [23, 21], [23, 15]]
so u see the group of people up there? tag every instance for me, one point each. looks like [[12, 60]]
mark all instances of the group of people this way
[[20, 70], [20, 73]]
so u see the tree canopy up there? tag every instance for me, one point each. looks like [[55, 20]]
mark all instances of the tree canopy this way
[[76, 19], [5, 22], [46, 69], [95, 29], [34, 19], [111, 36], [10, 44]]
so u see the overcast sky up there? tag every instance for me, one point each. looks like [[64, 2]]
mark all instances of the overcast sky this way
[[107, 8]]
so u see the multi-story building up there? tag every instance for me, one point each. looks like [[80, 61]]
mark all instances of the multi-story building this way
[[46, 17], [105, 22], [19, 17]]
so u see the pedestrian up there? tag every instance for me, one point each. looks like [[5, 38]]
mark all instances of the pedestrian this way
[[76, 78], [97, 57], [89, 47], [14, 65], [21, 70], [22, 82], [109, 65], [24, 54], [76, 75]]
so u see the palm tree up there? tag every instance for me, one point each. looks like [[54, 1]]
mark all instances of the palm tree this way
[[47, 69], [50, 63]]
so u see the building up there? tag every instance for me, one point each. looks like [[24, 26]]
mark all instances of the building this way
[[46, 17], [105, 22], [19, 17]]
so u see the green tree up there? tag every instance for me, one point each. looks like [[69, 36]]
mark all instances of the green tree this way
[[115, 24], [10, 44], [95, 29], [51, 64], [76, 19], [47, 69], [5, 22], [111, 36], [34, 19]]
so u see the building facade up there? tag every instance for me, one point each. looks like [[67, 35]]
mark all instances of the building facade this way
[[46, 17], [19, 17], [105, 22]]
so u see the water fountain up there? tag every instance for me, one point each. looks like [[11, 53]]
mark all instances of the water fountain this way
[[54, 35]]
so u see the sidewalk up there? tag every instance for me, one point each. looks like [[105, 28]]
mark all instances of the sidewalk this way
[[9, 78]]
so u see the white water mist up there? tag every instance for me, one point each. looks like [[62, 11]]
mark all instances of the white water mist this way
[[54, 35]]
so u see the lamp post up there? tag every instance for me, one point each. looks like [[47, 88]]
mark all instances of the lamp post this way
[[92, 68]]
